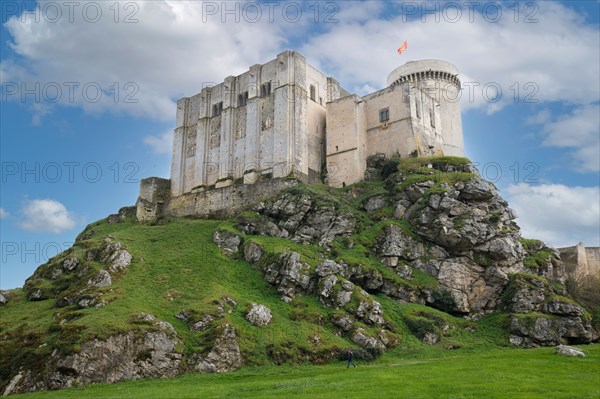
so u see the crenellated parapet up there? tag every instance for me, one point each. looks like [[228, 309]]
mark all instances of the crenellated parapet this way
[[439, 76]]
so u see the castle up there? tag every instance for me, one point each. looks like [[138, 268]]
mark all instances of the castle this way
[[237, 142]]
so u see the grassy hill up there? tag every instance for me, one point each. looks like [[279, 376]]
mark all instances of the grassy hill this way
[[177, 267]]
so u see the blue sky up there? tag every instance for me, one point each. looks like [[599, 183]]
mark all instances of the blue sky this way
[[71, 154]]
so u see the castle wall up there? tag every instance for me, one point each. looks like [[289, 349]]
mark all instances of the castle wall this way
[[581, 262], [394, 136], [225, 201], [285, 117], [346, 142]]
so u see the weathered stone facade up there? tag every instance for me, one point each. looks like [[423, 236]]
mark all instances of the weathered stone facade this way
[[580, 261], [286, 118]]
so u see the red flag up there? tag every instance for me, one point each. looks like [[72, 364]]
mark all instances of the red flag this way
[[403, 47]]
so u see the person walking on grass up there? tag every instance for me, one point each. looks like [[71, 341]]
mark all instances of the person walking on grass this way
[[350, 359]]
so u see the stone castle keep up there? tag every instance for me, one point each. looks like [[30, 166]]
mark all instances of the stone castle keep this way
[[237, 142]]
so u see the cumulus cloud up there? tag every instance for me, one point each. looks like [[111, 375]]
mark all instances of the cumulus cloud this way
[[557, 214], [160, 144], [579, 130], [167, 50], [46, 215], [4, 214], [176, 47]]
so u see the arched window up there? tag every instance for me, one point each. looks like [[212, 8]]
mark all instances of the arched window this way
[[384, 115]]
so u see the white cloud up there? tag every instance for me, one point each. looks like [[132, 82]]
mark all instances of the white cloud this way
[[4, 214], [168, 53], [160, 144], [579, 130], [175, 48], [541, 117], [46, 215], [554, 56], [556, 214]]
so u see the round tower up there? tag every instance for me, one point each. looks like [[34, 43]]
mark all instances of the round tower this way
[[440, 80]]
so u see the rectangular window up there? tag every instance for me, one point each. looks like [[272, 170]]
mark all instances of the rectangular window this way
[[265, 89], [313, 93], [432, 117], [384, 115], [243, 99], [418, 109], [217, 109]]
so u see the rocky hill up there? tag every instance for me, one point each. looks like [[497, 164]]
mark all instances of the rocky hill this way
[[425, 254]]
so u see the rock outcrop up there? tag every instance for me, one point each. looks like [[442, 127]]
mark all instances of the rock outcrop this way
[[128, 356], [225, 354], [302, 217], [259, 315], [543, 315], [463, 234]]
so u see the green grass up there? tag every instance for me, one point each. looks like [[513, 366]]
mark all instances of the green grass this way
[[177, 266], [499, 373]]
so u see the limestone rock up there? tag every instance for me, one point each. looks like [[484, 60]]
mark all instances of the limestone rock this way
[[370, 312], [203, 323], [115, 256], [259, 315], [37, 295], [478, 189], [527, 297], [291, 276], [569, 351], [303, 217], [121, 357], [3, 299], [374, 204], [431, 338], [327, 268], [87, 301], [225, 354], [56, 273], [360, 337], [326, 286], [70, 264], [344, 322], [252, 252], [535, 330], [102, 279], [113, 218], [228, 242], [396, 244], [562, 309], [366, 277]]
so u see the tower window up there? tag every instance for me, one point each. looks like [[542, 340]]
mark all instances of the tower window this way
[[384, 115], [265, 89], [217, 109], [418, 109], [243, 99], [432, 117], [313, 93]]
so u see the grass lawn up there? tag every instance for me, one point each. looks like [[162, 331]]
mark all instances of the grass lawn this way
[[497, 373]]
